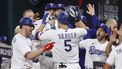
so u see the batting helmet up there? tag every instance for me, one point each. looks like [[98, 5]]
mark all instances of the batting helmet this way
[[26, 21], [63, 18], [60, 6], [50, 6]]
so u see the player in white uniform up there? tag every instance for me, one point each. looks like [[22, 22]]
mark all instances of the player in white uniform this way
[[46, 60], [65, 52], [22, 54], [95, 48], [50, 7], [115, 58]]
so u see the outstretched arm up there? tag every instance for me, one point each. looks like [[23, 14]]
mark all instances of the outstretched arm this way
[[33, 54], [110, 43], [45, 19], [91, 11]]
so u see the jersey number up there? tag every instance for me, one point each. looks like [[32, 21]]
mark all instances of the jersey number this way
[[68, 46]]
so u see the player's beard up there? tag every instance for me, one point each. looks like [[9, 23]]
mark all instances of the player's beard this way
[[28, 33], [100, 37]]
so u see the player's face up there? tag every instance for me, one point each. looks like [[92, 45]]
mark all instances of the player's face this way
[[100, 33], [58, 11], [52, 11], [28, 30]]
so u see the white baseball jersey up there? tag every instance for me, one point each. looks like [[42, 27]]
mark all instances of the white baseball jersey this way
[[21, 45], [94, 51], [115, 57], [48, 26], [47, 61], [66, 43]]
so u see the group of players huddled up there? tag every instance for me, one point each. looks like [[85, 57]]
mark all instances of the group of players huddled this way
[[54, 41]]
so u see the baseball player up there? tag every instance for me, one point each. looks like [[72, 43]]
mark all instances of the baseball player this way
[[22, 54], [115, 58], [45, 60], [53, 9], [65, 53], [50, 7], [95, 48], [59, 8]]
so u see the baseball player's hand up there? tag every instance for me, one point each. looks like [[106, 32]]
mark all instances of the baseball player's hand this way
[[48, 46], [91, 10], [113, 36], [45, 18]]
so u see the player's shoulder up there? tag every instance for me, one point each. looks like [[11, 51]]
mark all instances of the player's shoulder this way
[[20, 37], [17, 38], [51, 30], [118, 47], [78, 29], [38, 21], [89, 40]]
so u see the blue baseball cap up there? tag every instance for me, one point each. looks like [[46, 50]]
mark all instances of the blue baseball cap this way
[[63, 18], [105, 27], [60, 6], [50, 6], [26, 21]]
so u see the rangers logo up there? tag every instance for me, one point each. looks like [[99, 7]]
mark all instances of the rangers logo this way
[[34, 2]]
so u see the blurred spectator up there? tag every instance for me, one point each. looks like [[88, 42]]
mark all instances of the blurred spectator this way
[[3, 40], [4, 62]]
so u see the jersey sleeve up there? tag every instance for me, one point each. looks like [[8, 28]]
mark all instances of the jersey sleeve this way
[[82, 31], [111, 59], [47, 35], [95, 21], [82, 44]]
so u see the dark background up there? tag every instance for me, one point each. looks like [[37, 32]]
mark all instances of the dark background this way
[[11, 11]]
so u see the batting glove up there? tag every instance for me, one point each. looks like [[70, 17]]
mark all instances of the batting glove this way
[[45, 18], [48, 46]]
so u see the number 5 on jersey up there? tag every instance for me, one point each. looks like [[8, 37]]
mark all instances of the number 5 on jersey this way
[[67, 45]]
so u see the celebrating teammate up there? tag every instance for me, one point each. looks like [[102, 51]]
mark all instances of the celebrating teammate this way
[[22, 54], [95, 48], [116, 54], [65, 52]]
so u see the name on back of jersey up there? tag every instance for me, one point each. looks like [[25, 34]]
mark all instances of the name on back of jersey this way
[[67, 35]]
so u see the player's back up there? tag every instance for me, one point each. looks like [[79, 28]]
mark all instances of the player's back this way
[[66, 44]]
